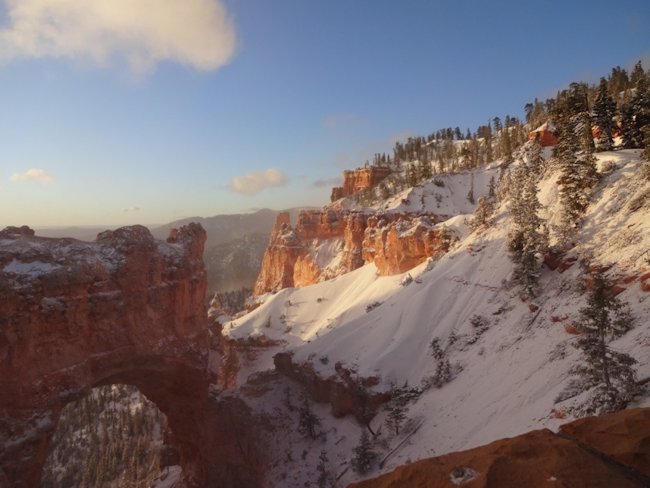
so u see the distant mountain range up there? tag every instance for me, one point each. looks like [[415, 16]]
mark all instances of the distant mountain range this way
[[233, 251]]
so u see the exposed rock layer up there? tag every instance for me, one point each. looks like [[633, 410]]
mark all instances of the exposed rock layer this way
[[345, 392], [597, 452], [122, 309], [358, 180], [394, 242]]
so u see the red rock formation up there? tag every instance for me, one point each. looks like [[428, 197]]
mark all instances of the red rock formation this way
[[358, 180], [598, 452], [279, 258], [123, 309], [345, 392], [403, 244], [623, 436], [394, 242]]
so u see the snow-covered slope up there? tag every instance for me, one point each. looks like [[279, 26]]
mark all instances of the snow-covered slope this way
[[509, 358]]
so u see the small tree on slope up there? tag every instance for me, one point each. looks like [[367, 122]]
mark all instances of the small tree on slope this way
[[577, 168], [527, 238], [364, 454], [609, 372], [309, 422], [604, 112]]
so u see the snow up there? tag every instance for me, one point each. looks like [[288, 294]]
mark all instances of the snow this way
[[445, 194], [507, 378], [169, 478], [32, 269]]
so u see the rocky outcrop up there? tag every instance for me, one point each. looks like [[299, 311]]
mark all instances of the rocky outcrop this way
[[397, 246], [358, 180], [394, 242], [346, 392], [123, 309], [596, 452]]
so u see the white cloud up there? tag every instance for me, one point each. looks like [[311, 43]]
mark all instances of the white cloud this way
[[328, 182], [33, 175], [132, 209], [256, 181], [140, 33]]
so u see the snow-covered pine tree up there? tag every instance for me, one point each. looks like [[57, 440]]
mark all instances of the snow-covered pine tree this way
[[364, 454], [309, 422], [397, 406], [534, 155], [578, 172], [635, 115], [604, 112], [492, 188], [470, 193], [482, 214], [645, 171], [527, 239], [608, 372], [325, 478]]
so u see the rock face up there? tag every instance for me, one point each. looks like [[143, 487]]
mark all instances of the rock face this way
[[358, 180], [328, 243], [597, 452], [345, 392], [123, 309]]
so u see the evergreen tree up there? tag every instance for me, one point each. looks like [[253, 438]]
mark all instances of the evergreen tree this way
[[637, 73], [646, 154], [324, 475], [534, 156], [492, 188], [483, 213], [309, 422], [604, 112], [635, 115], [578, 172], [470, 193], [397, 406], [364, 455], [608, 371], [527, 239]]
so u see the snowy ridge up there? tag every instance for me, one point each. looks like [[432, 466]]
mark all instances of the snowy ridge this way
[[507, 373]]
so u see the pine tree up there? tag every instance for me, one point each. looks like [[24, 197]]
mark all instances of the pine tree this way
[[397, 406], [578, 172], [309, 422], [492, 189], [482, 214], [635, 115], [364, 455], [645, 169], [527, 239], [609, 372], [604, 112], [324, 475], [470, 193], [534, 156]]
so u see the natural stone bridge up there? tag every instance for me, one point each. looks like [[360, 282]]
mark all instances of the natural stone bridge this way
[[123, 309]]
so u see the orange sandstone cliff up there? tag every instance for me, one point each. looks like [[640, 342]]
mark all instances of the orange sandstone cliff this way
[[123, 309], [328, 243], [358, 180]]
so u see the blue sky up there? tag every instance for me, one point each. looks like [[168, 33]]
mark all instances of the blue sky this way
[[117, 114]]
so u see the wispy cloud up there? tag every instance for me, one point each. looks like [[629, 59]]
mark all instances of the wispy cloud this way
[[142, 33], [131, 209], [256, 181], [336, 181], [33, 175]]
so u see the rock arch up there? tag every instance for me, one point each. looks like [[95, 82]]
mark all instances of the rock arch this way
[[122, 309]]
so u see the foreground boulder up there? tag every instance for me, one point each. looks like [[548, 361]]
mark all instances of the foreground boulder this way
[[608, 451]]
